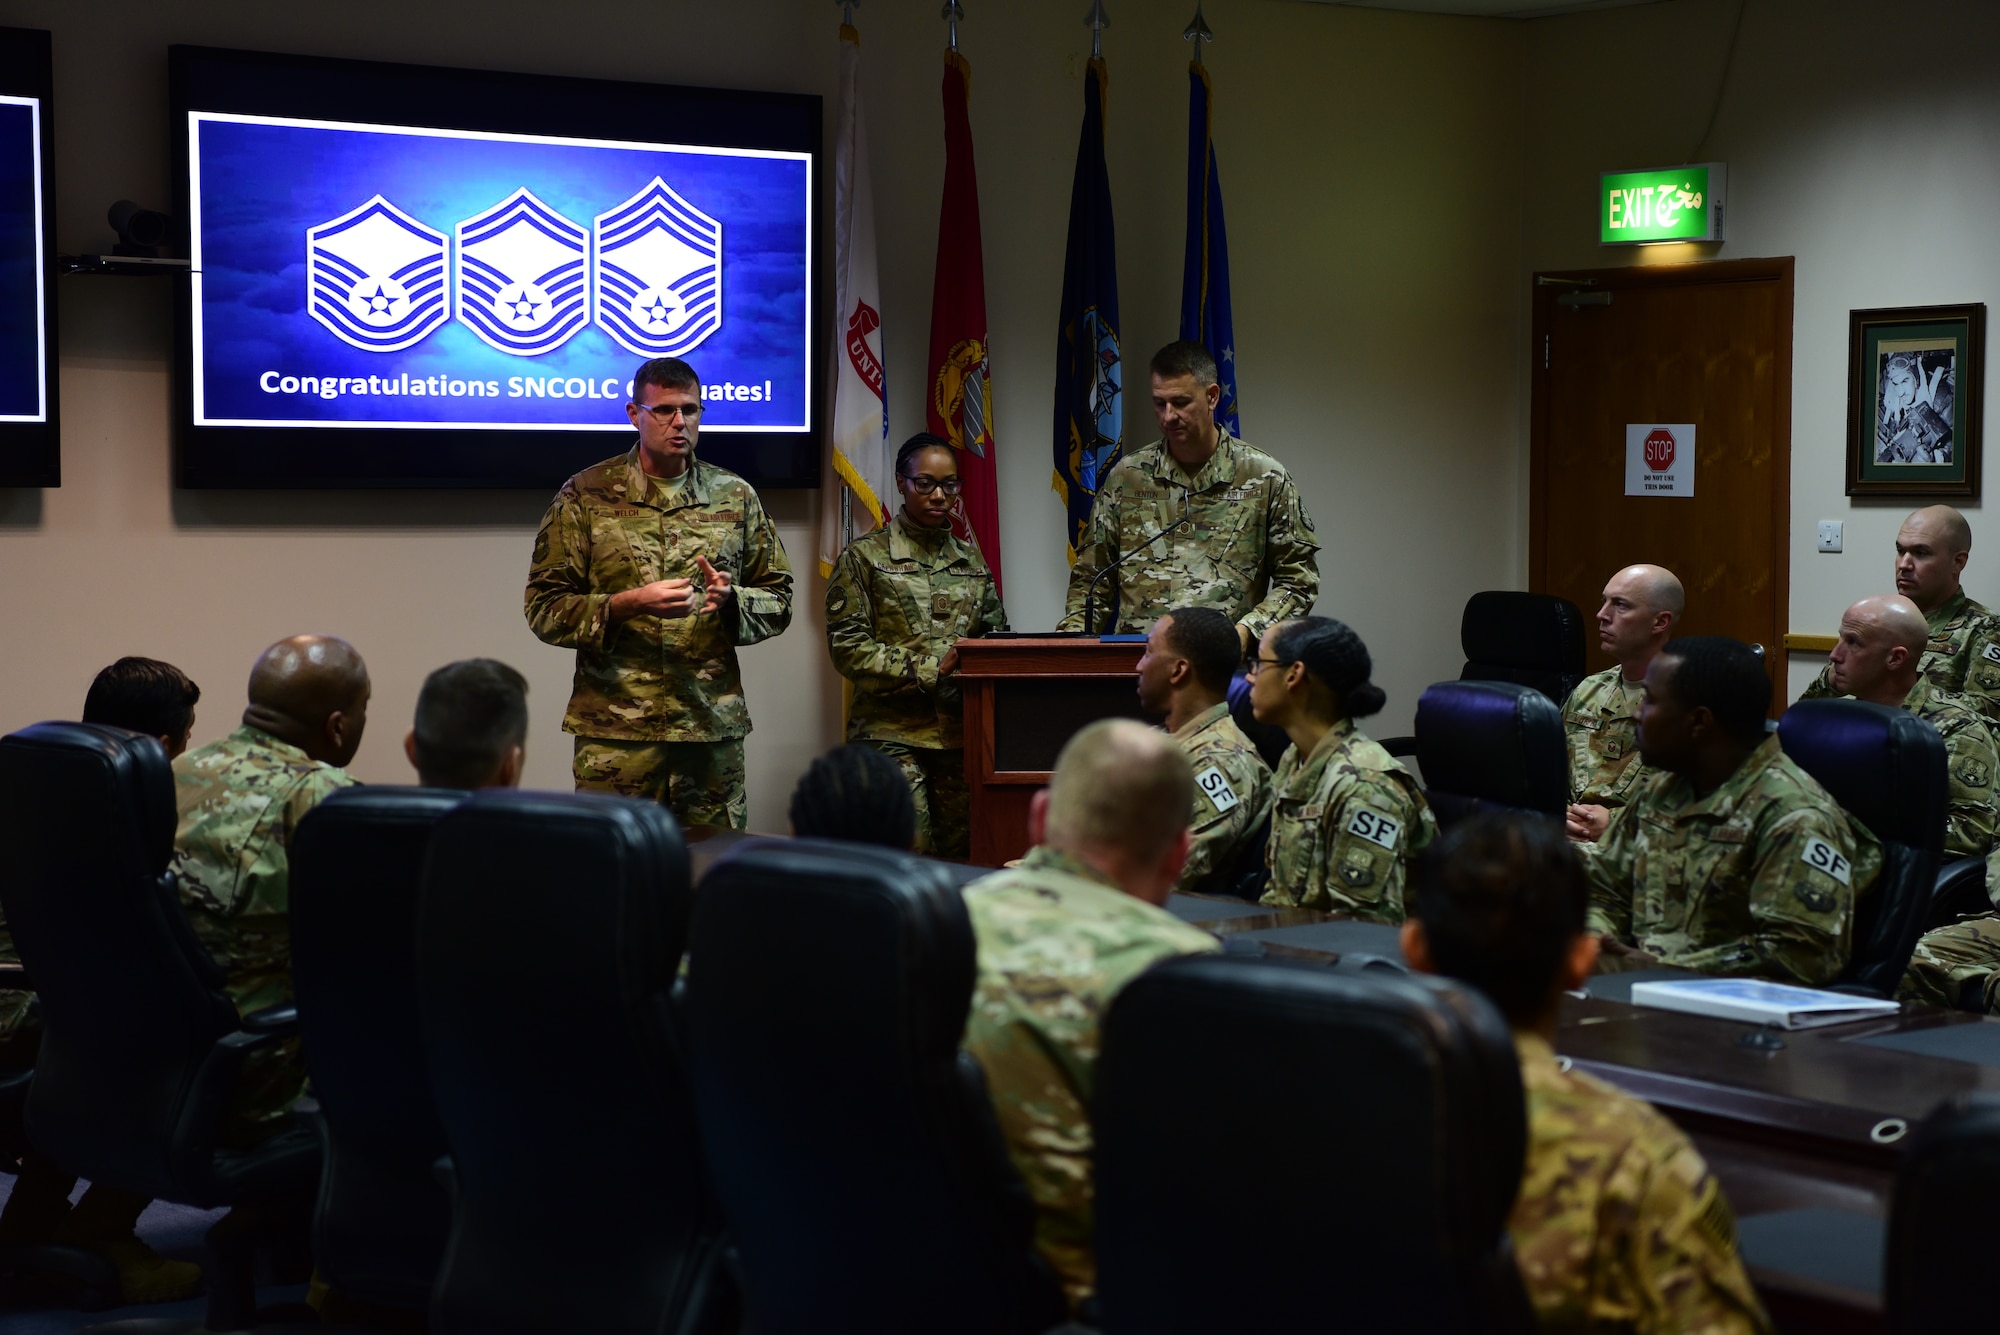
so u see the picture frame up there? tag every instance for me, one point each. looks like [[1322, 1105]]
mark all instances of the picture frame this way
[[1916, 379]]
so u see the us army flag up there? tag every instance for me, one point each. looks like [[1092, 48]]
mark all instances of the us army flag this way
[[959, 404], [1205, 315], [1089, 428], [859, 458]]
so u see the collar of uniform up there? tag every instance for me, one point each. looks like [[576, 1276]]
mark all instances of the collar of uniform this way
[[640, 490], [1201, 722], [1722, 802], [1337, 735], [254, 736], [1219, 468], [1918, 697], [1044, 858], [1949, 611], [909, 543], [1534, 1052]]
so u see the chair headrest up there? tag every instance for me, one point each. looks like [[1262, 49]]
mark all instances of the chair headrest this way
[[1507, 628], [1494, 741], [102, 767], [1885, 766]]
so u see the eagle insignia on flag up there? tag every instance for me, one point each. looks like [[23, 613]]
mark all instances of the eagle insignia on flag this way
[[659, 273], [523, 276], [375, 277]]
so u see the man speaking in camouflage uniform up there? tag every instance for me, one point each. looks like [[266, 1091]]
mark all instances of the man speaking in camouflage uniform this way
[[1733, 860], [1963, 652], [1642, 604], [655, 567], [1059, 936], [1619, 1225], [1191, 652], [898, 601], [240, 800], [1244, 546]]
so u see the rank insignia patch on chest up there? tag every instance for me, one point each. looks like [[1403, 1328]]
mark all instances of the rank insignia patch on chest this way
[[940, 604]]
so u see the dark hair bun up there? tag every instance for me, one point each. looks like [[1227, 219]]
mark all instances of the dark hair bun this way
[[1365, 699]]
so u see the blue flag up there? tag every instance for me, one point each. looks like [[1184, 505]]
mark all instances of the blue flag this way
[[1205, 317], [1089, 428]]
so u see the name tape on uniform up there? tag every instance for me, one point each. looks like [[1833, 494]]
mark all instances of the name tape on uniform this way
[[1375, 827], [1215, 783], [1822, 856]]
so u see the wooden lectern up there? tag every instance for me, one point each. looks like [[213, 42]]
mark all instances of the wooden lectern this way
[[1024, 697]]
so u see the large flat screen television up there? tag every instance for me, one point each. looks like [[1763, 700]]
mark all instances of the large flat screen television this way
[[408, 276], [30, 452]]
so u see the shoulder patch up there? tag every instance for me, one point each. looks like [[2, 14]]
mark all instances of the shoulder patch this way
[[1991, 652], [1822, 856], [1215, 784], [1376, 827]]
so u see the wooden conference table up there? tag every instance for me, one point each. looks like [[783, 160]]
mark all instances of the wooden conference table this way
[[1805, 1136]]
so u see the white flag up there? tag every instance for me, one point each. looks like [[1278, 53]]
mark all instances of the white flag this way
[[859, 458]]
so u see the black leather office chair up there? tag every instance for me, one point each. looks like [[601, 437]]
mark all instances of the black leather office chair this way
[[859, 1161], [1488, 745], [140, 1046], [1533, 639], [1943, 1232], [357, 864], [548, 936], [1886, 768], [1402, 1115]]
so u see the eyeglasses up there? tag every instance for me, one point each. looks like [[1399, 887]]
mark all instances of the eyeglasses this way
[[1250, 668], [950, 486], [664, 413]]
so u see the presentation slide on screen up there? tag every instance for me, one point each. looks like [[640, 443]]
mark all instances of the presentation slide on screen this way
[[23, 332], [352, 275]]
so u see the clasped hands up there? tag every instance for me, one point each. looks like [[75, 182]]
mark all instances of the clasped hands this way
[[676, 597]]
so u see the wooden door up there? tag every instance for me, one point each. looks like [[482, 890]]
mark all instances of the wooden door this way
[[1709, 344]]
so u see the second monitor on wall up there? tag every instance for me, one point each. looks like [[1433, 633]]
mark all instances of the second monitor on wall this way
[[408, 276]]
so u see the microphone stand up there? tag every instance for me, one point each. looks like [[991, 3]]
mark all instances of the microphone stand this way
[[1090, 594]]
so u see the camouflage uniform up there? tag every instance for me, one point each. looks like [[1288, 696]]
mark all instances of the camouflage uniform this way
[[1347, 824], [1233, 794], [1956, 964], [1758, 878], [1601, 724], [240, 799], [1619, 1225], [657, 705], [1963, 656], [1057, 941], [1246, 548], [898, 599]]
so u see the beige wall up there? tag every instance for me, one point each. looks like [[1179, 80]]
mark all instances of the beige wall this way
[[1371, 166], [1860, 138]]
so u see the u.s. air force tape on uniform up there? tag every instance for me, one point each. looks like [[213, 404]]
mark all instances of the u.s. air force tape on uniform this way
[[1822, 856], [1375, 827], [1215, 783]]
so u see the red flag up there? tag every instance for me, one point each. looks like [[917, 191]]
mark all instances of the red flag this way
[[959, 406]]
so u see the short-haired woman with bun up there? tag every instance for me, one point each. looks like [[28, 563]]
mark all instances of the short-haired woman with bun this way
[[1348, 821]]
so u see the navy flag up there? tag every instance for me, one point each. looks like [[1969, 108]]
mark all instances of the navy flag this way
[[1205, 316], [1089, 427]]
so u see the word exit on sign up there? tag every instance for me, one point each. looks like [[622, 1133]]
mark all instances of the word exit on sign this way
[[1670, 204]]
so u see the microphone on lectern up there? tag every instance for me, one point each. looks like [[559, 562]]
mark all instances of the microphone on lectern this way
[[1090, 595]]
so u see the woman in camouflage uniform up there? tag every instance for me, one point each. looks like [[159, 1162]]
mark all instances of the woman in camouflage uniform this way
[[1348, 820]]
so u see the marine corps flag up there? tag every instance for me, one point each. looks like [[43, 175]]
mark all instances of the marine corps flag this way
[[1205, 316], [1089, 428], [959, 406], [859, 457]]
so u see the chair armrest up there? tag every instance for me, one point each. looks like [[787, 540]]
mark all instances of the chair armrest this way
[[280, 1020], [1399, 746], [15, 978], [1960, 889]]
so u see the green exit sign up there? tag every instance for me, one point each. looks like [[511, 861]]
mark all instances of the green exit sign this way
[[1671, 204]]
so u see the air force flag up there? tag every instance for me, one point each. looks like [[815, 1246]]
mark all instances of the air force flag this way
[[523, 276], [659, 273], [375, 277]]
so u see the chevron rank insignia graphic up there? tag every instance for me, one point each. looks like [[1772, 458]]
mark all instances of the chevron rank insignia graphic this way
[[375, 277], [659, 273], [523, 276]]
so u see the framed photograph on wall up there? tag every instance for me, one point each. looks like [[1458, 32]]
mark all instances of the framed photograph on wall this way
[[1915, 385]]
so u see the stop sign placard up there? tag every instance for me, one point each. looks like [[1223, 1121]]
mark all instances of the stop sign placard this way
[[1660, 449]]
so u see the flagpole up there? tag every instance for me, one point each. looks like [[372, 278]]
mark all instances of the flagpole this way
[[1197, 31], [1097, 21]]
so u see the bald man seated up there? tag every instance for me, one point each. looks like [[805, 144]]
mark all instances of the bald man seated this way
[[240, 799], [1642, 605], [1962, 653], [1059, 936]]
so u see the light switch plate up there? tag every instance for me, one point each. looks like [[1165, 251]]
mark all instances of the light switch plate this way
[[1829, 535]]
